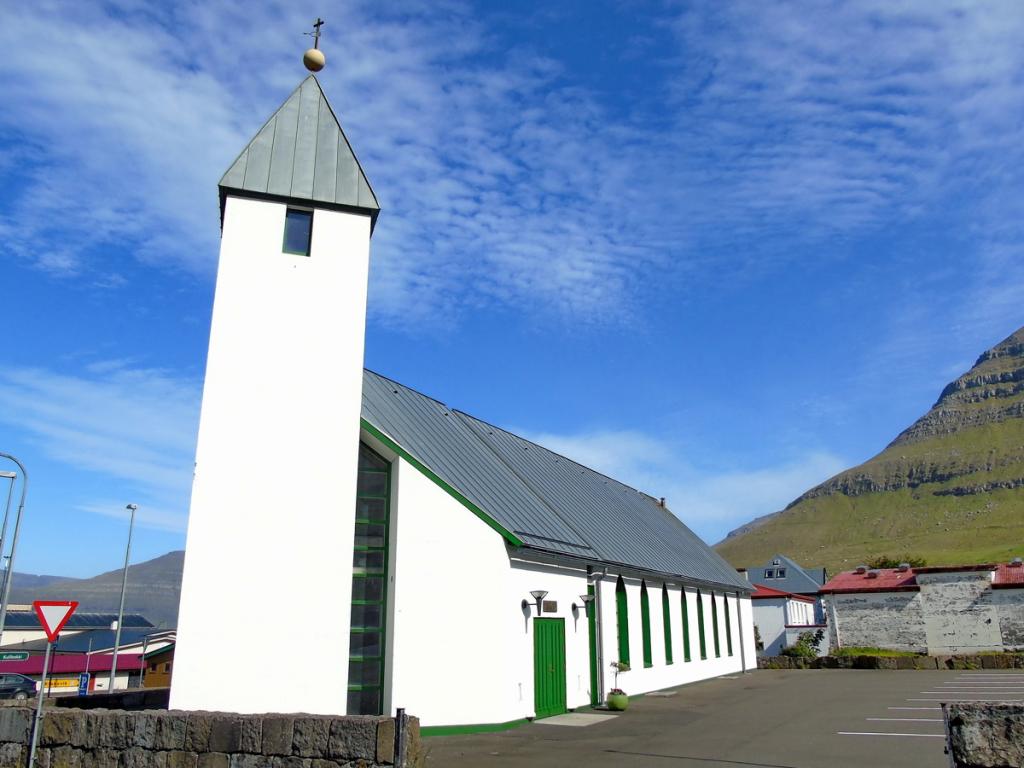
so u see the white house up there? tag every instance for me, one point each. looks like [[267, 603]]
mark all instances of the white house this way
[[430, 560], [780, 618]]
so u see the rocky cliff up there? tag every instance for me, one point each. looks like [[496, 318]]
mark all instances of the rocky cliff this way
[[949, 488]]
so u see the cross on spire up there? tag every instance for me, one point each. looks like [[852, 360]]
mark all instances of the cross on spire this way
[[315, 34]]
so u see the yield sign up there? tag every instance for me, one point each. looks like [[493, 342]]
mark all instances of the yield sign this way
[[53, 615]]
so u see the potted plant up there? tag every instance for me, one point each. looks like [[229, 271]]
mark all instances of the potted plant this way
[[617, 698]]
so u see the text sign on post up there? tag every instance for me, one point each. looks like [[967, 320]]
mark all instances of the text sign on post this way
[[14, 656]]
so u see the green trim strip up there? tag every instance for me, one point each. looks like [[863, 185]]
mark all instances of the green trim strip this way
[[458, 730], [512, 539]]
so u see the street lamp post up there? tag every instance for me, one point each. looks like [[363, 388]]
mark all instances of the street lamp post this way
[[5, 589], [12, 476], [124, 585]]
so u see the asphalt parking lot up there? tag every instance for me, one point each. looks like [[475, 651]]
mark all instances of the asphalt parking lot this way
[[764, 719]]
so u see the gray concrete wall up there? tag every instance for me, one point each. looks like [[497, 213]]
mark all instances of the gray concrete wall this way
[[880, 620], [958, 611], [160, 739], [1009, 606]]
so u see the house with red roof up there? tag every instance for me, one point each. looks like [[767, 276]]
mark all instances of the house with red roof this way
[[780, 617], [938, 610]]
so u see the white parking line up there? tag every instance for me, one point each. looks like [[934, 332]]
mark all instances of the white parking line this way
[[974, 699], [874, 733], [904, 719], [926, 709], [972, 691]]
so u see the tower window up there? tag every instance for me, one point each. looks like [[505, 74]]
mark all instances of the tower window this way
[[298, 231]]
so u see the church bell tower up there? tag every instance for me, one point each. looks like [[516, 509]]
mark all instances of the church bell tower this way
[[266, 591]]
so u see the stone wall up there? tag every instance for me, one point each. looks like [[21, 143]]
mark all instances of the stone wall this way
[[161, 739], [953, 613], [879, 620], [1009, 605], [983, 735], [976, 661], [958, 613]]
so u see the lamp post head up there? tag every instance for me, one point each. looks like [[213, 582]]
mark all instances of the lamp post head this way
[[8, 475], [131, 507]]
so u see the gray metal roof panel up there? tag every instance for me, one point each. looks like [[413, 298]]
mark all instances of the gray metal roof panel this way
[[302, 153], [622, 524], [441, 441], [798, 580], [550, 502]]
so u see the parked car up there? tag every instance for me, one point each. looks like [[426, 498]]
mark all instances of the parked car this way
[[16, 687]]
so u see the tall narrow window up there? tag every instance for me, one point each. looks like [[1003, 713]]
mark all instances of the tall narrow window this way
[[728, 624], [298, 231], [645, 624], [714, 625], [369, 579], [666, 619], [700, 627], [622, 619], [686, 627]]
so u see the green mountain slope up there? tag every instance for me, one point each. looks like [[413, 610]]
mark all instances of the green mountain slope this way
[[950, 488]]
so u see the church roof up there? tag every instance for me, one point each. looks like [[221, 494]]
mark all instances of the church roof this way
[[301, 153], [534, 497]]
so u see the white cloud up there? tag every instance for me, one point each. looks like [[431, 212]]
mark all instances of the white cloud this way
[[135, 427], [712, 501], [773, 130]]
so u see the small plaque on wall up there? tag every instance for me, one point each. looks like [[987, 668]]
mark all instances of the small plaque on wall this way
[[550, 606]]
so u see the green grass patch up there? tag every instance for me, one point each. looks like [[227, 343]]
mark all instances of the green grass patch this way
[[867, 651]]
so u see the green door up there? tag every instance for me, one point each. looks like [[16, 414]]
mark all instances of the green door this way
[[549, 666]]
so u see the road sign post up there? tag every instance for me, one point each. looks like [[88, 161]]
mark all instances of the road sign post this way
[[52, 615], [83, 684], [14, 656]]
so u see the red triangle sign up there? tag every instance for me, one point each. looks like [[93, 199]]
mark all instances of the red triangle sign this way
[[53, 615]]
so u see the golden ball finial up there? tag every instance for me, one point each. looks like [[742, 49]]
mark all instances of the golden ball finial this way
[[314, 59]]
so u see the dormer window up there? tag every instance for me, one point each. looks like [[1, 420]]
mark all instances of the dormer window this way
[[298, 231]]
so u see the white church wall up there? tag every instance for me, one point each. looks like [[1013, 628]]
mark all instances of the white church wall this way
[[271, 520], [564, 587], [641, 679], [454, 635]]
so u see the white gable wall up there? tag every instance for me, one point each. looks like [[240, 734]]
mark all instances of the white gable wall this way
[[454, 630]]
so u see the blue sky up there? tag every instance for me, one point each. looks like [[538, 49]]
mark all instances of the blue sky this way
[[720, 250]]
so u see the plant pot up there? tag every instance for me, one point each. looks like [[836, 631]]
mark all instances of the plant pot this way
[[617, 701]]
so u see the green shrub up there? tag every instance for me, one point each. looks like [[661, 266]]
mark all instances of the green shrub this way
[[806, 645], [885, 561]]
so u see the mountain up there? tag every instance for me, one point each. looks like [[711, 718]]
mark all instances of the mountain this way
[[949, 488], [153, 589]]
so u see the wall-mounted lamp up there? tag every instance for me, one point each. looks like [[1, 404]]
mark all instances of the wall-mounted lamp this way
[[537, 595], [587, 600]]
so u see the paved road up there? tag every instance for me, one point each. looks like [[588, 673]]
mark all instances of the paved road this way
[[765, 719]]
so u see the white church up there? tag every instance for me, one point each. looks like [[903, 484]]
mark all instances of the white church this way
[[418, 557]]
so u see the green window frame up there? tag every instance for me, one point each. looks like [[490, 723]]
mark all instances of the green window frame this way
[[622, 619], [728, 624], [686, 626], [368, 632], [645, 624], [714, 626], [700, 627], [666, 618]]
